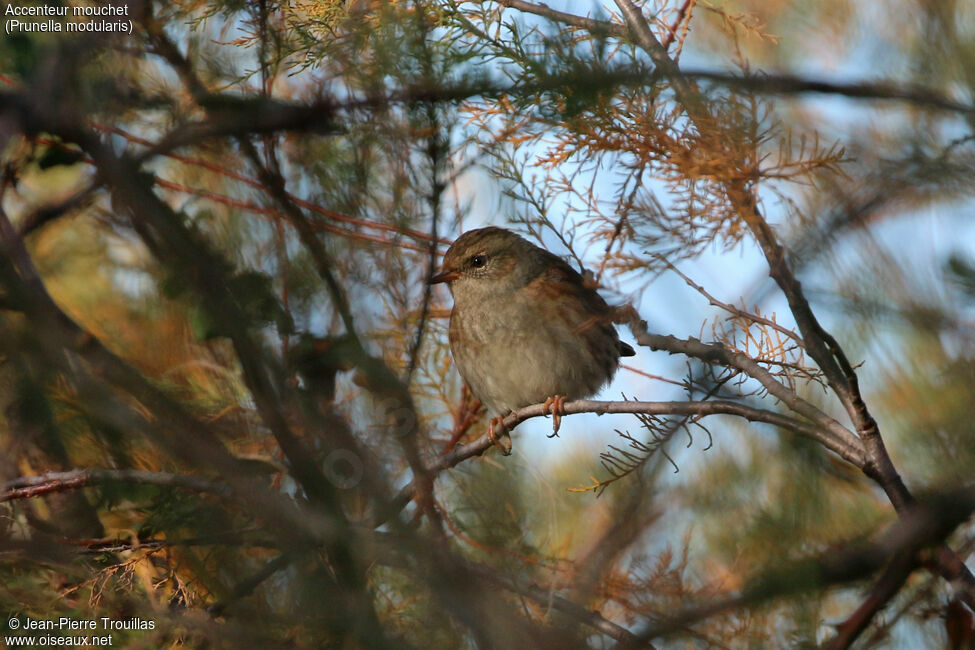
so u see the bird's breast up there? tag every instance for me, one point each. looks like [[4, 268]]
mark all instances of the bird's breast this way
[[513, 351]]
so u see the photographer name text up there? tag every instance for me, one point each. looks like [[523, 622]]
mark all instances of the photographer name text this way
[[103, 623]]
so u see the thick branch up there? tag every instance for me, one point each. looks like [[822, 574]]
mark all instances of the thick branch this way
[[922, 525], [893, 578]]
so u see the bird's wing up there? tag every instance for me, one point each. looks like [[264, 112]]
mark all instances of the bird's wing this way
[[559, 284]]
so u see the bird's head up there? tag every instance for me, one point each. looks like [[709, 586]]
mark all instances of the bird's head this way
[[486, 257]]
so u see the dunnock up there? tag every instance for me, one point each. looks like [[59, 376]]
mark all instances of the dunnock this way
[[525, 327]]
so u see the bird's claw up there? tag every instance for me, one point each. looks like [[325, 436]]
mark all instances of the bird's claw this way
[[556, 406], [496, 432]]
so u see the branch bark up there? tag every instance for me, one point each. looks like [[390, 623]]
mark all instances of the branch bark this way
[[27, 487], [582, 22]]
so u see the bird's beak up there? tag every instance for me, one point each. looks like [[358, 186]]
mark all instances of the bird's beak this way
[[445, 276]]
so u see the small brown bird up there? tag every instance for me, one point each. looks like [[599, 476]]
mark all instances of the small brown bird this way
[[525, 327]]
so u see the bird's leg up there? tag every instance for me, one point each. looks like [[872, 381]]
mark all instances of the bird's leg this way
[[496, 431], [556, 406]]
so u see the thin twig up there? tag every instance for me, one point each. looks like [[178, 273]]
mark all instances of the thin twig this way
[[27, 487], [589, 24], [731, 309]]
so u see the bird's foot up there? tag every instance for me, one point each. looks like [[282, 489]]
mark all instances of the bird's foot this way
[[556, 406], [497, 432]]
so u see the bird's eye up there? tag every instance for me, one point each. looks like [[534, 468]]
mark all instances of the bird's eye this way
[[477, 261]]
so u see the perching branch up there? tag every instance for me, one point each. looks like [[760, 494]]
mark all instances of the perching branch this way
[[480, 445]]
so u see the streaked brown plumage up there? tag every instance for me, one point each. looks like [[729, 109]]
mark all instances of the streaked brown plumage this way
[[525, 327]]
